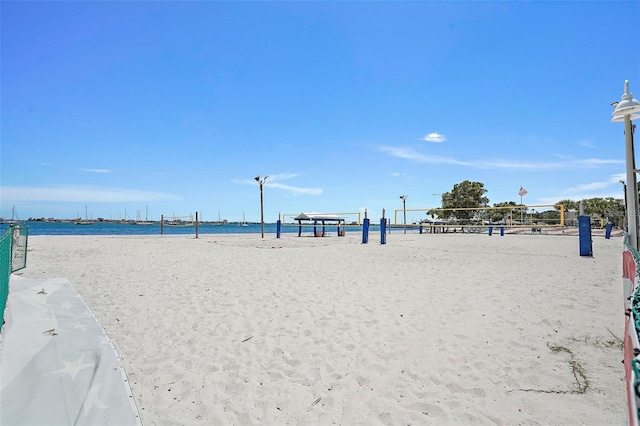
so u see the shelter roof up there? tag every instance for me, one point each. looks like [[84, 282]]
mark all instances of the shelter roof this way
[[319, 216]]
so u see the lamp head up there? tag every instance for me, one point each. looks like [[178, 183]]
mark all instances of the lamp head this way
[[628, 105], [620, 118], [257, 178]]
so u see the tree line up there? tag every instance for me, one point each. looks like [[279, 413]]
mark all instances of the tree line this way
[[472, 196]]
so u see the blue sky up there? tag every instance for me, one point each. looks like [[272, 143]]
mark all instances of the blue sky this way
[[177, 106]]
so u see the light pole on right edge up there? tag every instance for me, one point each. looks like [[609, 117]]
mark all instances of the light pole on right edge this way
[[626, 110], [404, 210], [261, 182]]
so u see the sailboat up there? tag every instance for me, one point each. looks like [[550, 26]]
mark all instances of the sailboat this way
[[146, 219], [126, 220], [14, 218], [86, 220], [218, 222], [244, 222]]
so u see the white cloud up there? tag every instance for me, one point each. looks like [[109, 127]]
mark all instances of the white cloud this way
[[614, 180], [617, 178], [272, 182], [585, 163], [412, 155], [587, 143], [588, 187], [97, 170], [370, 213], [267, 179], [594, 162], [282, 176], [295, 190], [434, 137], [82, 194], [608, 188]]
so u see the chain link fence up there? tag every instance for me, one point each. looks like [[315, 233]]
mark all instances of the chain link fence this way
[[13, 257], [19, 238]]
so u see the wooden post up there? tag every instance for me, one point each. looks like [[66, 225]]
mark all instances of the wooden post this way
[[196, 225], [161, 224]]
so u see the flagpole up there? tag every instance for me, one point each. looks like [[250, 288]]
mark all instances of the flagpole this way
[[521, 193], [521, 218]]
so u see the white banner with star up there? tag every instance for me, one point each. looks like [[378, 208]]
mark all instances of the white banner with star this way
[[57, 365]]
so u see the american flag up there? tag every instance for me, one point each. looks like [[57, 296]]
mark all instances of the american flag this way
[[522, 191]]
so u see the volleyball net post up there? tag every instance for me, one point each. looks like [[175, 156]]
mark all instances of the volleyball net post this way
[[383, 229], [365, 228]]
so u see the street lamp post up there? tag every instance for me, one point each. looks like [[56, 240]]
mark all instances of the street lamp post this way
[[261, 182], [404, 210], [626, 110], [624, 186]]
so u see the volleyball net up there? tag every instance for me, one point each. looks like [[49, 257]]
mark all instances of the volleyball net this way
[[188, 218], [538, 216]]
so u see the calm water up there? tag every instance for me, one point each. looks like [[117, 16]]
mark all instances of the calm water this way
[[107, 228]]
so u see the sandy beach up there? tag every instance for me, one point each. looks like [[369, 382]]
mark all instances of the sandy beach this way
[[437, 329]]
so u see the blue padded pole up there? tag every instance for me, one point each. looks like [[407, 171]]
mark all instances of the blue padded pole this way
[[365, 231]]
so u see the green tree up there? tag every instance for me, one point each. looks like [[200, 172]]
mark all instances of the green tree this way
[[468, 195], [498, 215], [568, 204], [615, 211], [611, 208]]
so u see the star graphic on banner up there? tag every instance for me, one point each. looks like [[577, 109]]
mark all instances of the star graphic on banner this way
[[93, 400], [73, 368], [66, 305], [82, 327]]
